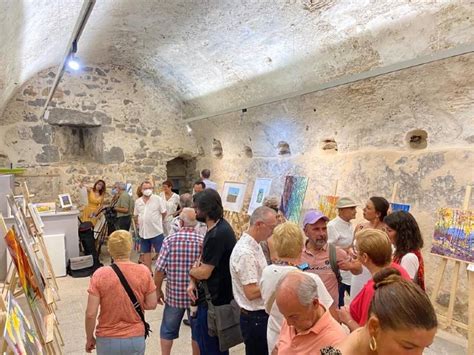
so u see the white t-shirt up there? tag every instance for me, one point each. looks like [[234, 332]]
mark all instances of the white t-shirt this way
[[171, 207], [341, 234], [358, 282], [270, 277], [246, 266], [411, 264], [210, 184], [149, 214]]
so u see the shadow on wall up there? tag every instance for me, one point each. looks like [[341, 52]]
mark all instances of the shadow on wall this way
[[11, 26]]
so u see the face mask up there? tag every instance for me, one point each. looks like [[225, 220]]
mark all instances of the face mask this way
[[114, 191], [147, 192]]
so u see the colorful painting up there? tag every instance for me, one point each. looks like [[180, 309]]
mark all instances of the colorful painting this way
[[261, 189], [293, 197], [327, 205], [233, 196], [19, 335], [454, 234], [399, 207]]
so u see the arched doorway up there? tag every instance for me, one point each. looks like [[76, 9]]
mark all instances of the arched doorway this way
[[182, 173]]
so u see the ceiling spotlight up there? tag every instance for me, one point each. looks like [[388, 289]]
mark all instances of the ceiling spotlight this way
[[73, 63], [188, 127]]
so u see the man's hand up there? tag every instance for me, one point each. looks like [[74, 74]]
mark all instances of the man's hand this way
[[192, 291], [161, 297], [90, 345]]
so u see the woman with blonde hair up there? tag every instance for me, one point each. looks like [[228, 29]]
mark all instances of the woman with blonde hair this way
[[374, 250], [288, 241], [120, 328], [401, 320]]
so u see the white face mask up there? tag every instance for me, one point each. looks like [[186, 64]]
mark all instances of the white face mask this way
[[147, 192]]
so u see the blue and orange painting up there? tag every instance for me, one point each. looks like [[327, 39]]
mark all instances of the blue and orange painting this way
[[454, 234]]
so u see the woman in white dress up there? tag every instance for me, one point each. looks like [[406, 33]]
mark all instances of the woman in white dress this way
[[172, 205]]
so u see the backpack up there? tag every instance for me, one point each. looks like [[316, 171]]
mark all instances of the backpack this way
[[333, 262]]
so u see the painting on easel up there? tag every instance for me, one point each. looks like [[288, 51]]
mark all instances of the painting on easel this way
[[293, 197], [454, 234], [399, 207], [327, 205], [18, 333]]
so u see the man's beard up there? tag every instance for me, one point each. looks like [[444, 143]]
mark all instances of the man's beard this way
[[201, 217]]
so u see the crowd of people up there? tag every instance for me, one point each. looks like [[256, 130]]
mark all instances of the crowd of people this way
[[325, 287]]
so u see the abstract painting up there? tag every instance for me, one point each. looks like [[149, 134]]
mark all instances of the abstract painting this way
[[261, 189], [18, 333], [293, 197], [399, 207], [454, 234], [233, 196], [327, 205]]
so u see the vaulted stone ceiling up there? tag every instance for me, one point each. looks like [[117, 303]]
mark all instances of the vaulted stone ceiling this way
[[217, 54]]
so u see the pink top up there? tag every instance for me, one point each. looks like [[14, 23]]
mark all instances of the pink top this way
[[117, 317], [325, 332], [360, 305], [318, 262]]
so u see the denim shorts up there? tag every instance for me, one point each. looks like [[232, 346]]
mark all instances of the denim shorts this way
[[171, 322], [156, 242], [120, 346]]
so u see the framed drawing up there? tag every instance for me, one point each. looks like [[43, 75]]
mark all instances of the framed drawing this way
[[293, 197], [261, 189], [453, 235], [65, 201], [233, 196]]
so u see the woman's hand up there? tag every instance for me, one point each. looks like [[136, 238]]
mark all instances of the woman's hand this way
[[90, 345], [346, 318]]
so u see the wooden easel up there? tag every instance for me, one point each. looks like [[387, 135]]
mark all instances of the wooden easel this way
[[394, 192], [447, 319], [53, 340]]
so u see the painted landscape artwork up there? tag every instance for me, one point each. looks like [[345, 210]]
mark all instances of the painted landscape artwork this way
[[18, 333], [399, 207], [454, 234], [293, 197], [327, 205]]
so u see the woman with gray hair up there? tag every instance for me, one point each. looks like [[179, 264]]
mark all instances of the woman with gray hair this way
[[288, 242]]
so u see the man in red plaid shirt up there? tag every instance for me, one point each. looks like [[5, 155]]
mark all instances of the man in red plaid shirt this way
[[178, 253]]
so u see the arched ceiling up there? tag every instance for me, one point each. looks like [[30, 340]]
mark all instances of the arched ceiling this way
[[215, 54]]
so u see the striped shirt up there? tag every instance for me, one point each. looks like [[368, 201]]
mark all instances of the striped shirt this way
[[178, 253]]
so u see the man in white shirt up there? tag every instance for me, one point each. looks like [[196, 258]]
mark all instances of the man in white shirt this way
[[341, 234], [205, 175], [150, 210], [247, 262]]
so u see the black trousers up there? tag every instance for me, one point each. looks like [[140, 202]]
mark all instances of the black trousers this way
[[123, 222], [253, 325]]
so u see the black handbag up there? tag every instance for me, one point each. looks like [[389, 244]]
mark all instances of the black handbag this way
[[223, 322], [133, 298]]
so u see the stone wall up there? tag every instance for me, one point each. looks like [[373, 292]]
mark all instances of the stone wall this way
[[359, 135], [107, 122]]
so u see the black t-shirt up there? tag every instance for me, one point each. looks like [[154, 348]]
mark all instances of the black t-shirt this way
[[216, 250]]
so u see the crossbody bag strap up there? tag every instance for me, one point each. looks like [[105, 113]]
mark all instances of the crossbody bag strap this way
[[130, 293], [333, 262], [207, 294]]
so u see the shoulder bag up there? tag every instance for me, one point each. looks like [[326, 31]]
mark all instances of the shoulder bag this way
[[133, 298], [223, 322]]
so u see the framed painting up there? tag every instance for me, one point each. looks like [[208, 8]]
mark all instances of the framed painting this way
[[36, 217], [327, 205], [65, 201], [233, 196], [293, 197], [261, 189], [395, 206], [453, 235]]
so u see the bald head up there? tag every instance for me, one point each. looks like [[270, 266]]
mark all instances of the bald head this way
[[188, 216], [186, 200]]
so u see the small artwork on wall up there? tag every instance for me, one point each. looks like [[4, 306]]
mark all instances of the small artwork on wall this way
[[395, 206], [261, 189], [454, 234], [233, 196], [293, 197]]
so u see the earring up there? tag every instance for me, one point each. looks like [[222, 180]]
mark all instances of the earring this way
[[373, 344]]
